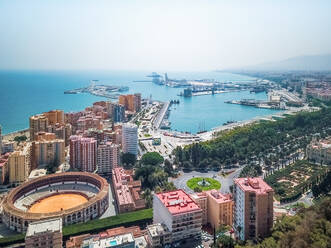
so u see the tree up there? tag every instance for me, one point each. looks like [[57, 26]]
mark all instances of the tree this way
[[152, 158], [128, 159], [187, 165], [225, 241], [20, 138], [168, 167], [197, 189]]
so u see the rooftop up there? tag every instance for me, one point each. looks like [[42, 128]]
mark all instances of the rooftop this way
[[178, 202], [218, 196], [157, 229], [43, 226], [110, 241], [255, 184]]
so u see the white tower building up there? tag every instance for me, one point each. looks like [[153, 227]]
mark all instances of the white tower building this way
[[130, 138]]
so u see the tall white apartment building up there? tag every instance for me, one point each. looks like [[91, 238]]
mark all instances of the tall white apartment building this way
[[130, 138], [107, 157], [179, 213]]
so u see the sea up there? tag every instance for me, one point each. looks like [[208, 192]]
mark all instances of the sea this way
[[25, 93]]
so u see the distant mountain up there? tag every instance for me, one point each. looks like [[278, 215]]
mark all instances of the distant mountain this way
[[301, 63]]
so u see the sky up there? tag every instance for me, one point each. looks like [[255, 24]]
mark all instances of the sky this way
[[178, 35]]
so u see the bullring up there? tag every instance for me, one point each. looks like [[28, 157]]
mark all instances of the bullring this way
[[73, 196]]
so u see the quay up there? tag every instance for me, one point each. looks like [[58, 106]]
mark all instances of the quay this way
[[159, 118], [257, 104]]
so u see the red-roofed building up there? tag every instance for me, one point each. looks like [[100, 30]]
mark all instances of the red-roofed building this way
[[253, 214], [127, 191], [178, 211]]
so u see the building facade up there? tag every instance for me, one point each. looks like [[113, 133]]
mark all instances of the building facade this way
[[253, 211], [118, 113], [130, 138], [108, 157], [158, 235], [179, 213], [83, 153], [320, 151], [4, 168], [217, 208], [19, 164], [0, 141], [127, 191], [47, 150], [44, 233], [38, 123]]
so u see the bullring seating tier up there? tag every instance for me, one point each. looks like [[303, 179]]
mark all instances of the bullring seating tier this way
[[25, 201]]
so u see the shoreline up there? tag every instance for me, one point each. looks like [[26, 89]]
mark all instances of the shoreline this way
[[12, 135]]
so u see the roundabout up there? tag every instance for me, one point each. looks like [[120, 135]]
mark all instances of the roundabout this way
[[203, 184]]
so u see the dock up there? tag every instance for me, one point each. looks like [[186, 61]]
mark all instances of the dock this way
[[160, 116]]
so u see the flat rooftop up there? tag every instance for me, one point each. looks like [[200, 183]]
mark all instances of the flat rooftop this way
[[43, 226], [178, 202], [218, 196], [114, 241], [157, 229], [256, 184]]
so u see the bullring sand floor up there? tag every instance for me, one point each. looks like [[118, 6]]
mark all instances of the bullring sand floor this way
[[57, 202]]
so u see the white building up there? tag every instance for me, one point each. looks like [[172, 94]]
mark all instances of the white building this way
[[130, 138], [7, 146], [158, 235], [179, 213], [107, 157]]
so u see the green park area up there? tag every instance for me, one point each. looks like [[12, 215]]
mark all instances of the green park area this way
[[199, 184], [292, 181]]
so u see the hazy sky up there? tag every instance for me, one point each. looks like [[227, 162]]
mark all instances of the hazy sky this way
[[159, 34]]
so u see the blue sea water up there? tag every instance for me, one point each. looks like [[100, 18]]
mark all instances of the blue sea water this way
[[25, 93]]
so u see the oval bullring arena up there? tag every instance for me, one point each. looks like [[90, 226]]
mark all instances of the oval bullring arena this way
[[73, 196]]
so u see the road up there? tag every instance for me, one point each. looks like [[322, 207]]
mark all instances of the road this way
[[111, 211], [226, 182], [159, 118]]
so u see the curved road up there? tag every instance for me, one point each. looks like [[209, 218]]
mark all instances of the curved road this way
[[226, 182]]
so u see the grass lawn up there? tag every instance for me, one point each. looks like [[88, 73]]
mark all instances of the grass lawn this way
[[141, 217], [212, 183]]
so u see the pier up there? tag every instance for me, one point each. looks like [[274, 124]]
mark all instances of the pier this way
[[257, 104], [159, 118]]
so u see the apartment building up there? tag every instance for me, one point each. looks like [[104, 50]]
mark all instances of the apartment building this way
[[47, 150], [179, 213], [217, 208], [45, 234], [19, 163], [130, 138], [83, 153], [127, 190], [253, 211], [108, 156], [158, 235]]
